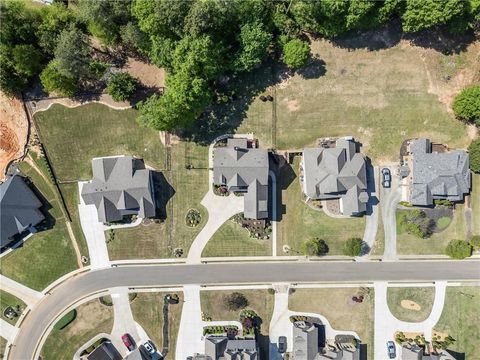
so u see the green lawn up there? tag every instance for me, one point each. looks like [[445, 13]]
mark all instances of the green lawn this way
[[74, 136], [92, 319], [189, 187], [259, 300], [3, 344], [424, 297], [475, 203], [342, 313], [233, 240], [460, 319], [48, 254], [147, 311], [408, 244], [301, 223], [7, 299]]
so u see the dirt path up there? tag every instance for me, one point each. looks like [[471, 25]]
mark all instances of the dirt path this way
[[78, 255]]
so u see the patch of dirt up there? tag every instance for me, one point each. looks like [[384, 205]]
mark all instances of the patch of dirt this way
[[410, 305], [89, 316], [292, 105], [148, 74], [472, 132], [13, 131]]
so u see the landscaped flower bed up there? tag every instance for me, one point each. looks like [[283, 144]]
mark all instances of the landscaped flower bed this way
[[193, 218]]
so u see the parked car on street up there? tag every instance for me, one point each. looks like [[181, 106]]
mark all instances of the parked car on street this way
[[391, 350], [386, 178], [128, 342], [150, 347], [282, 344]]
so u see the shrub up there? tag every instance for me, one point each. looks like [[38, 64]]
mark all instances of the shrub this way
[[466, 104], [296, 53], [353, 247], [458, 249], [474, 154], [121, 86], [475, 242], [417, 223], [65, 320], [443, 202], [193, 218], [315, 247], [235, 301], [55, 82], [443, 222]]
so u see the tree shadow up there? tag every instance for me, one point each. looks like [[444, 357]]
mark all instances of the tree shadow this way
[[456, 355], [390, 34], [314, 69], [163, 193], [285, 176]]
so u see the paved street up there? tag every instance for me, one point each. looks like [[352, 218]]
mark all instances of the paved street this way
[[78, 287]]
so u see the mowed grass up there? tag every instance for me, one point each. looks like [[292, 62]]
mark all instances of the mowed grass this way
[[380, 97], [189, 186], [147, 311], [424, 297], [212, 303], [7, 299], [342, 313], [460, 319], [92, 319], [408, 244], [233, 240], [300, 223], [48, 254], [3, 345], [475, 204], [74, 136]]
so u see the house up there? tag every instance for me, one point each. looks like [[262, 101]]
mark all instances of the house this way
[[138, 354], [436, 175], [241, 167], [106, 351], [415, 352], [305, 341], [19, 209], [337, 172], [223, 348], [121, 186]]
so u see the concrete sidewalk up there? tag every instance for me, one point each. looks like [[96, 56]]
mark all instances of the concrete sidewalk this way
[[94, 233], [190, 332], [7, 331], [24, 293]]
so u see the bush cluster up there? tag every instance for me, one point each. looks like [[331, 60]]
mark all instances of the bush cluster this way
[[417, 223]]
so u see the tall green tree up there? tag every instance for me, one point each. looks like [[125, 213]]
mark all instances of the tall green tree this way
[[55, 82], [72, 53], [254, 41], [54, 19], [296, 53], [466, 104], [27, 60]]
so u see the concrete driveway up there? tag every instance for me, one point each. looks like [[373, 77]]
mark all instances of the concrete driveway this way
[[371, 222], [190, 332], [390, 199], [94, 233], [220, 209], [386, 324]]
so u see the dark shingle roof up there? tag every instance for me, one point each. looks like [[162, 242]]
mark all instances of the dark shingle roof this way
[[120, 186], [19, 208]]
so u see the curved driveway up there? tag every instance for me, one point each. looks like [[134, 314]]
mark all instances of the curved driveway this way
[[78, 287]]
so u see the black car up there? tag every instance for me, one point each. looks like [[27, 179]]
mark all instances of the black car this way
[[386, 178], [282, 344]]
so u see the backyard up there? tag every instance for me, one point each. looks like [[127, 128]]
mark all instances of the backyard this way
[[410, 304], [92, 319], [147, 311], [337, 306], [7, 299], [233, 240], [409, 244], [460, 319], [46, 255], [260, 301], [300, 222]]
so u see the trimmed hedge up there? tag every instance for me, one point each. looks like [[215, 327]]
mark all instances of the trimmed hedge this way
[[65, 320]]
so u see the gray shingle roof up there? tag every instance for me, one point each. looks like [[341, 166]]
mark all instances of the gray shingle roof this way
[[438, 175], [220, 348], [120, 186], [338, 172], [305, 341], [244, 169], [19, 208]]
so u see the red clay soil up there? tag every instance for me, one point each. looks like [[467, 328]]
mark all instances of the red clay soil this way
[[13, 131]]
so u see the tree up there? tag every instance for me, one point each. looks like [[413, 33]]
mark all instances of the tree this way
[[254, 41], [72, 54], [416, 222], [296, 53], [27, 59], [55, 82], [134, 39], [474, 155], [466, 104], [55, 19], [475, 242], [235, 301], [353, 247], [121, 86], [424, 14], [458, 249], [315, 247]]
